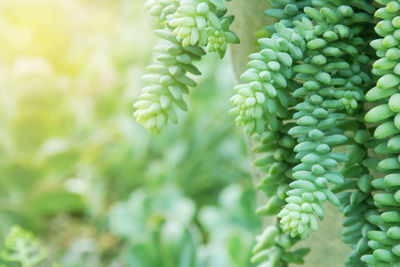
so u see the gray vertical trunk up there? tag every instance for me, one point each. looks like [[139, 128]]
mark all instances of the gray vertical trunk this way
[[327, 250]]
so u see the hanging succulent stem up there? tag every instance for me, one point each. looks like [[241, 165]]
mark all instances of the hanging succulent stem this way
[[331, 83], [355, 193], [190, 27], [262, 106], [384, 241], [302, 100]]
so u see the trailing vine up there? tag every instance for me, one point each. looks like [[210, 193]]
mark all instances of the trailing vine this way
[[302, 98], [384, 240], [355, 193], [188, 27], [328, 87], [270, 82]]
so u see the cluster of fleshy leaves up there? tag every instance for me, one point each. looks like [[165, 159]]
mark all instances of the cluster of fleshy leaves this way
[[355, 193], [384, 240], [262, 106], [334, 73], [332, 81], [303, 99], [190, 28]]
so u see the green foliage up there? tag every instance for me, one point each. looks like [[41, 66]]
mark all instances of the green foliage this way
[[332, 66], [21, 246], [159, 101], [355, 193], [262, 106], [203, 23], [383, 240], [188, 27], [74, 168], [329, 86], [156, 227], [69, 149], [265, 96], [160, 229], [273, 248]]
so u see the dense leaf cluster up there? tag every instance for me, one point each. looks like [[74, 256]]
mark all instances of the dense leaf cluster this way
[[188, 27], [303, 98]]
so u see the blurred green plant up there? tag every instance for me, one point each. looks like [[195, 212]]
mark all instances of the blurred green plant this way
[[164, 228], [69, 149], [23, 247]]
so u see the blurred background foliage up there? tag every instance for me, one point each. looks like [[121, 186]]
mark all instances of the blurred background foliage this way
[[78, 172]]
